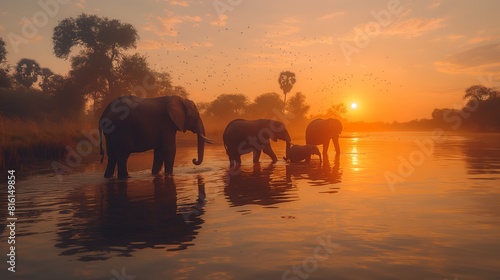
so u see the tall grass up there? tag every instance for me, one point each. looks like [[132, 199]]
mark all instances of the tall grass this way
[[24, 141]]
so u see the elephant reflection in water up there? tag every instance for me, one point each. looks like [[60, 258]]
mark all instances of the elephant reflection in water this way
[[257, 185], [128, 216], [317, 174]]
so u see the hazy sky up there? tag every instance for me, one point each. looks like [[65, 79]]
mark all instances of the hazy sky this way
[[397, 59]]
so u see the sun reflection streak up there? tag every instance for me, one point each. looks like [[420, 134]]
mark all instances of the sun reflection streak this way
[[354, 154]]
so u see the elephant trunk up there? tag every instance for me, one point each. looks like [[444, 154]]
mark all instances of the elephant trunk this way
[[201, 143]]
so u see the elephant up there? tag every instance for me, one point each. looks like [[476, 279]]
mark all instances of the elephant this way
[[299, 153], [320, 131], [132, 124], [245, 136]]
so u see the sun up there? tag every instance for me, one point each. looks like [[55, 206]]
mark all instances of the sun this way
[[354, 105]]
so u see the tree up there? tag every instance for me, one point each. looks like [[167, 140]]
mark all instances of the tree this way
[[264, 104], [479, 93], [132, 71], [101, 42], [297, 106], [50, 82], [27, 71], [286, 81], [4, 78], [227, 106], [163, 86], [3, 51], [337, 111]]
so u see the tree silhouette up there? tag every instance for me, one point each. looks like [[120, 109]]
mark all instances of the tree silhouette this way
[[50, 82], [101, 42], [227, 106], [263, 105], [4, 79], [286, 81], [297, 106], [337, 111], [479, 93], [3, 51], [27, 71], [131, 71]]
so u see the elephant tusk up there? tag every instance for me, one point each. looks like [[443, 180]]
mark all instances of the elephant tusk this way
[[209, 141]]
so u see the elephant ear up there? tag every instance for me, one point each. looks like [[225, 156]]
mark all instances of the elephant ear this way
[[191, 110], [177, 112]]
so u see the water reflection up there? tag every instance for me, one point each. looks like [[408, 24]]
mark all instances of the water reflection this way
[[317, 174], [122, 217], [482, 154], [259, 185]]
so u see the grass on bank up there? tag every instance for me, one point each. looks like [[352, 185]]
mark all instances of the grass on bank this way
[[23, 141]]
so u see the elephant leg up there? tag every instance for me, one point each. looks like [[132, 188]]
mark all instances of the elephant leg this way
[[122, 166], [336, 144], [325, 148], [268, 151], [110, 168], [157, 161], [234, 159], [256, 155], [169, 157]]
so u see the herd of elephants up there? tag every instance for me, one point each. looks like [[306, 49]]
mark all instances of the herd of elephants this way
[[132, 124]]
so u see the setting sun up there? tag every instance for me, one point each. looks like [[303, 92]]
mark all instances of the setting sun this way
[[354, 105]]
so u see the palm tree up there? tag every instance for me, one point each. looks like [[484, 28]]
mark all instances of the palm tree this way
[[286, 80]]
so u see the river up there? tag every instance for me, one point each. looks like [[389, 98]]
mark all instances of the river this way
[[391, 206]]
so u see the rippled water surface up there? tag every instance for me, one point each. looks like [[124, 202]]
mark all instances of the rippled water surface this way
[[391, 206]]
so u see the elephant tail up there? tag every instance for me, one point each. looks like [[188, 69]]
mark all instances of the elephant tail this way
[[101, 150]]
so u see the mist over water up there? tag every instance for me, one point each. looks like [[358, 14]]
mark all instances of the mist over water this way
[[439, 221]]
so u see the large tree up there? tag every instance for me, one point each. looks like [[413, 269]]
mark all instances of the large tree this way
[[132, 71], [27, 72], [479, 93], [286, 81], [101, 42]]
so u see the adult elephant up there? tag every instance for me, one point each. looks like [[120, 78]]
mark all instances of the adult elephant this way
[[132, 124], [320, 131], [245, 136]]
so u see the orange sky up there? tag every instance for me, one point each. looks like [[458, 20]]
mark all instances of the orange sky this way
[[397, 59]]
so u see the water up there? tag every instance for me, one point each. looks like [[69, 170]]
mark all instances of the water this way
[[387, 208]]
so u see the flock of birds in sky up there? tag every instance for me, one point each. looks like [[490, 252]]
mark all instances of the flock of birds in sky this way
[[230, 67]]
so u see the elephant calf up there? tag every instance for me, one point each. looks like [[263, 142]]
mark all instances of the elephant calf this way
[[299, 153]]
